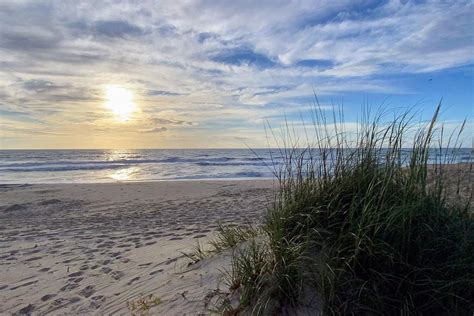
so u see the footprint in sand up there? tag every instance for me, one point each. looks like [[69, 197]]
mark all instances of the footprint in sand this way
[[33, 259], [97, 301], [170, 261], [133, 280], [156, 271], [47, 297], [27, 310], [24, 284], [74, 299], [117, 275], [76, 274], [106, 270], [77, 280], [71, 260], [49, 202], [132, 239], [69, 286], [87, 291], [59, 301], [124, 245], [106, 244], [91, 251], [33, 251]]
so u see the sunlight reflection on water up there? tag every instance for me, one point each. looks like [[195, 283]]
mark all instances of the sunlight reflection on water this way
[[124, 174]]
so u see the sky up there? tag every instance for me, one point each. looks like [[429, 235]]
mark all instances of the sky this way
[[211, 74]]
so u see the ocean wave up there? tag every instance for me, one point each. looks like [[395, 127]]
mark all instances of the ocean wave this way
[[208, 163], [62, 168], [249, 174], [112, 164], [236, 175], [79, 162], [152, 165], [201, 161]]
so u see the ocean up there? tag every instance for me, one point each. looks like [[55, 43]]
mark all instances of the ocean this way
[[98, 166]]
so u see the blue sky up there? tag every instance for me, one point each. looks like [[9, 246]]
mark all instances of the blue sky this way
[[210, 73]]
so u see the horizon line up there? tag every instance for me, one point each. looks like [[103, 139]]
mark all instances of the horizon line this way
[[201, 148]]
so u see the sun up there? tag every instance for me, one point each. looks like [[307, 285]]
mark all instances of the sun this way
[[120, 101]]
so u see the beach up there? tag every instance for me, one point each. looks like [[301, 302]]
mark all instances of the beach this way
[[102, 248], [95, 248], [236, 158]]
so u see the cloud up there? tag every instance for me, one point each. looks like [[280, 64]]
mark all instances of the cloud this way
[[38, 85], [315, 63], [17, 31], [162, 93], [162, 121], [206, 36], [27, 40], [117, 28], [243, 56], [18, 116], [154, 130], [230, 66], [104, 29], [167, 30]]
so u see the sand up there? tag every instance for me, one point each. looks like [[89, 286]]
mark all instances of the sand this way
[[91, 248]]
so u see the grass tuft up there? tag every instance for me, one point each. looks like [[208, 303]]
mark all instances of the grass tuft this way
[[230, 236], [142, 306], [197, 253], [363, 225]]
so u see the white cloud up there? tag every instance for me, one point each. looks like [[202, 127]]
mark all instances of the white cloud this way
[[226, 59]]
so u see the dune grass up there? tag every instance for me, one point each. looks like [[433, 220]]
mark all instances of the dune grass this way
[[230, 236], [227, 237], [361, 227]]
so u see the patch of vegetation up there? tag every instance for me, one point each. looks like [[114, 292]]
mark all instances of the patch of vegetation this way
[[227, 237], [362, 225], [143, 305], [230, 236], [198, 253]]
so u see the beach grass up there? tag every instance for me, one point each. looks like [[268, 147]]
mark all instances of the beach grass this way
[[360, 227], [230, 236]]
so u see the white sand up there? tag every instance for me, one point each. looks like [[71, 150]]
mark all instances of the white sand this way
[[90, 248]]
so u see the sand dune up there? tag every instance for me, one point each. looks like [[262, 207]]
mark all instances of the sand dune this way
[[91, 248]]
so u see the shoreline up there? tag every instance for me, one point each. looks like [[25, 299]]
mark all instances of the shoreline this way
[[446, 166], [148, 181]]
